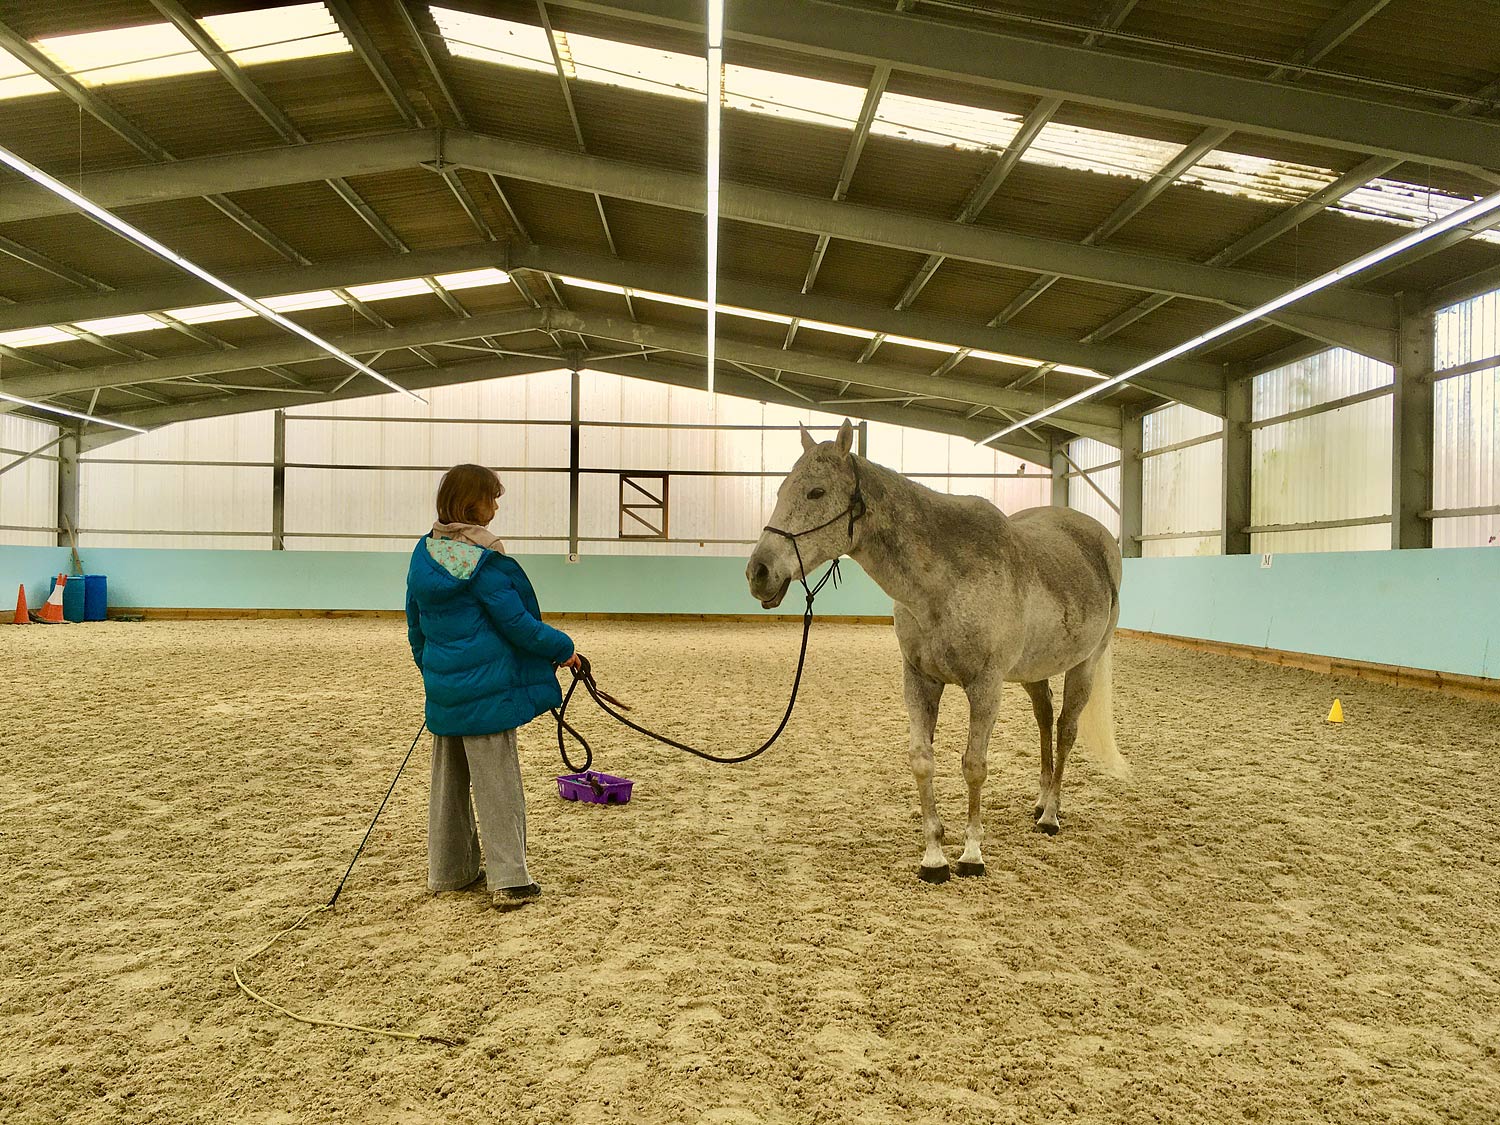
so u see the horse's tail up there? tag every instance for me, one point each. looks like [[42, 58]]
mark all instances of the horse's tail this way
[[1096, 726]]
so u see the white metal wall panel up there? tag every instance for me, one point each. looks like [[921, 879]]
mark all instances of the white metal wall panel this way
[[1182, 491], [353, 509], [700, 509], [929, 458], [1334, 374], [1466, 423], [128, 498], [1324, 467], [28, 493], [1088, 454], [1176, 423]]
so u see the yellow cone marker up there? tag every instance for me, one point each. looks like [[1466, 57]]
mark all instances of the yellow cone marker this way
[[1336, 713]]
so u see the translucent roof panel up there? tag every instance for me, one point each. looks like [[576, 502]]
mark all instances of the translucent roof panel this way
[[297, 302], [208, 314], [297, 31], [159, 50], [470, 279], [17, 80], [502, 42], [926, 121], [126, 54], [32, 337], [119, 325], [412, 287]]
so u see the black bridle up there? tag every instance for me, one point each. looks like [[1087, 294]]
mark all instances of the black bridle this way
[[855, 509], [608, 704]]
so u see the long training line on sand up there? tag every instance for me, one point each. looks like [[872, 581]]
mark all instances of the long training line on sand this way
[[314, 1020]]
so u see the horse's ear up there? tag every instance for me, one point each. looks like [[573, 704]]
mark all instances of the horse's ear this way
[[807, 438], [845, 439]]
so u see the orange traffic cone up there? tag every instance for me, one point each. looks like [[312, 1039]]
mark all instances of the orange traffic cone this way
[[22, 617], [51, 613]]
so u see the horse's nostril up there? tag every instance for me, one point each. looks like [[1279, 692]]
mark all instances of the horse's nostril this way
[[760, 572]]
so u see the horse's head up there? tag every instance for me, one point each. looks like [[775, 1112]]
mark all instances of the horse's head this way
[[815, 507]]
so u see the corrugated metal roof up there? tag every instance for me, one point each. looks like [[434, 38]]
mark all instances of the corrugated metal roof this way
[[1439, 46]]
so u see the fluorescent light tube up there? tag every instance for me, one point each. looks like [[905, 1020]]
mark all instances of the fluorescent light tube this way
[[1475, 210], [145, 241]]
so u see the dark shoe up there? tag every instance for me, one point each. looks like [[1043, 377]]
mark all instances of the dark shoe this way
[[513, 898]]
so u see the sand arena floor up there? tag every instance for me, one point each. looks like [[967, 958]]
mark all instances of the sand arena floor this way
[[1276, 921]]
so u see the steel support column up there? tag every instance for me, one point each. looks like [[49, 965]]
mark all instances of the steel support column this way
[[1132, 483], [1059, 479], [69, 485], [574, 449], [278, 481], [863, 448], [1234, 539], [1411, 428]]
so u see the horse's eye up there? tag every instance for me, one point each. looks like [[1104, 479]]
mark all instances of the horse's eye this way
[[815, 494]]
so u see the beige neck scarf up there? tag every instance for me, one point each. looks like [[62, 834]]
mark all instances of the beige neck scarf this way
[[469, 533]]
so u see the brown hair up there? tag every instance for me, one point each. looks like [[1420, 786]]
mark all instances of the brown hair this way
[[463, 489]]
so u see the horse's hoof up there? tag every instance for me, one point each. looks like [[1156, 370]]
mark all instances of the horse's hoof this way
[[933, 874], [1050, 829], [968, 869]]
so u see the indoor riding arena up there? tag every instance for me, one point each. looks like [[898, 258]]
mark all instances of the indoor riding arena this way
[[789, 561]]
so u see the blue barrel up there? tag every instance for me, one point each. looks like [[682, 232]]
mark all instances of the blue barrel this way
[[95, 597], [73, 598]]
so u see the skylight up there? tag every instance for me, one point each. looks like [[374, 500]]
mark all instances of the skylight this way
[[159, 50], [17, 80], [119, 325], [230, 310], [821, 326], [925, 121], [126, 54], [297, 31], [470, 279]]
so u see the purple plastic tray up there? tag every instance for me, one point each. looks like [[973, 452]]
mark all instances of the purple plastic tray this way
[[595, 788]]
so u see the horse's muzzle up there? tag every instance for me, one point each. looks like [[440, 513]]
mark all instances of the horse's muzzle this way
[[761, 587]]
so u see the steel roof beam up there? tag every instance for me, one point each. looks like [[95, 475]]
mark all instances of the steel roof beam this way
[[1034, 66], [280, 351], [259, 283], [873, 93], [1191, 381], [18, 46], [1099, 422], [216, 406], [684, 191], [742, 386]]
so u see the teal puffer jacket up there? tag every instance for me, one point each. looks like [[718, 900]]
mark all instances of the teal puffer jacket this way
[[486, 657]]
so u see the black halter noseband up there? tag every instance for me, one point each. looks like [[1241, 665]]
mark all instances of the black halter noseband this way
[[855, 509]]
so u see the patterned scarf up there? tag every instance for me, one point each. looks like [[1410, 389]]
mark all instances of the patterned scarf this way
[[469, 533]]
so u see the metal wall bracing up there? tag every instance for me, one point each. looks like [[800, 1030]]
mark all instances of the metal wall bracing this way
[[1321, 441], [1466, 424], [1088, 454], [360, 474], [203, 484], [1182, 509], [28, 489]]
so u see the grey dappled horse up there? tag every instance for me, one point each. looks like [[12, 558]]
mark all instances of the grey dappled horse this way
[[980, 598]]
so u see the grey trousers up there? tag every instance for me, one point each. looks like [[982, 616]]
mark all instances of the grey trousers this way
[[489, 765]]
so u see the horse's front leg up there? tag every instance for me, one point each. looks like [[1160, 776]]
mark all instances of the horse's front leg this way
[[923, 695], [984, 705]]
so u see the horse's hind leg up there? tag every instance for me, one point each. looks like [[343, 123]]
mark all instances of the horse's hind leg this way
[[1041, 707], [984, 704], [1077, 686], [923, 695]]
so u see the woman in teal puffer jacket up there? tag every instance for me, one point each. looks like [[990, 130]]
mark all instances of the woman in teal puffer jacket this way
[[489, 664]]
